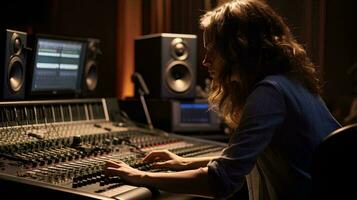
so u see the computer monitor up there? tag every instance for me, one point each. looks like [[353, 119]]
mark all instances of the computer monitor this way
[[58, 65]]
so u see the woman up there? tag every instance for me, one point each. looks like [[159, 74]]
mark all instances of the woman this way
[[266, 88]]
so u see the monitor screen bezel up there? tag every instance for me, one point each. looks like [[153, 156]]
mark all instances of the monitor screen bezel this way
[[56, 92]]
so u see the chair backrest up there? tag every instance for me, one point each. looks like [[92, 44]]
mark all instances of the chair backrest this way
[[334, 167]]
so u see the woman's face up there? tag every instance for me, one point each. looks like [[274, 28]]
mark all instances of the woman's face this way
[[212, 60]]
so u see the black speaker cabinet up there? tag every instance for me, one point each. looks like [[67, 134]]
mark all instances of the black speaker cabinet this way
[[167, 63], [90, 75], [13, 64]]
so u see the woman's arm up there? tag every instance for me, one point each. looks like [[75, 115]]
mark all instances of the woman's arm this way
[[167, 159], [189, 182], [197, 162]]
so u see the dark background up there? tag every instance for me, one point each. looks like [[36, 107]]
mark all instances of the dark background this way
[[79, 18], [331, 41]]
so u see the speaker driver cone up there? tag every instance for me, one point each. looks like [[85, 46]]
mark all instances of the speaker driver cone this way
[[91, 75], [16, 74], [178, 76]]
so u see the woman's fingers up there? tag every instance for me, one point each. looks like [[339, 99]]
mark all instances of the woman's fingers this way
[[111, 171], [155, 156], [168, 165], [159, 159], [164, 164], [111, 163], [116, 167]]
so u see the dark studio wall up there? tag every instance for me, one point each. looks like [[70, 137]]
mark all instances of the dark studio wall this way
[[340, 54], [327, 29], [330, 39], [79, 18]]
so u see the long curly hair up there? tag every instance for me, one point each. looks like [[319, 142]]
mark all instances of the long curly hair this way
[[254, 42]]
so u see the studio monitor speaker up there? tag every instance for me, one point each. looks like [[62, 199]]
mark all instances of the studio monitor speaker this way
[[13, 64], [90, 75], [167, 62]]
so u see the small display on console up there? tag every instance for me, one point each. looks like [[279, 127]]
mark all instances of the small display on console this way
[[194, 113]]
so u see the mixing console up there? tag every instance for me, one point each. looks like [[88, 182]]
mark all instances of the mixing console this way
[[60, 147]]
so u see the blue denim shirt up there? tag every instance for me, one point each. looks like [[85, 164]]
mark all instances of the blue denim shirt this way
[[281, 125]]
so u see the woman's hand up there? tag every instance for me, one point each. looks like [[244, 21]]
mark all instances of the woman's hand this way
[[166, 159], [127, 173]]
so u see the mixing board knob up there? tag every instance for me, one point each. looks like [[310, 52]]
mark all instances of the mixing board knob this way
[[30, 146], [12, 148], [34, 163], [119, 124], [56, 159], [115, 141], [76, 155], [41, 161], [74, 184], [106, 142], [76, 141]]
